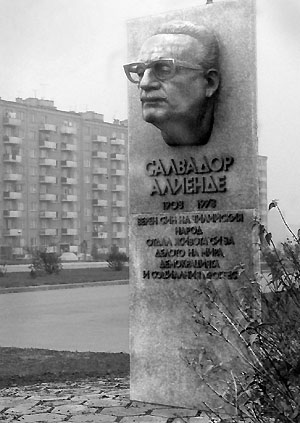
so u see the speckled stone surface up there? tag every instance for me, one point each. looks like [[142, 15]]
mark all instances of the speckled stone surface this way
[[219, 178]]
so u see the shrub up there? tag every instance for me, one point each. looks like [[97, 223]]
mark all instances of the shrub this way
[[116, 259], [262, 383], [3, 270], [44, 262], [94, 252]]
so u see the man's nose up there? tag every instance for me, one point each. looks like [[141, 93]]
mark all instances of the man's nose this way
[[149, 81]]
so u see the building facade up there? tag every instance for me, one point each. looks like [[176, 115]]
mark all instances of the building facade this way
[[263, 189], [64, 180]]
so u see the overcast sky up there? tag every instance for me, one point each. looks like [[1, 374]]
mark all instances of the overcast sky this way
[[72, 51]]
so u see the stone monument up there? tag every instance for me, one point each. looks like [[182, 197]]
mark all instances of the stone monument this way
[[192, 182]]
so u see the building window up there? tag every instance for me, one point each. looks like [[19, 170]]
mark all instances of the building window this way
[[33, 224], [34, 206], [87, 179], [87, 163], [33, 242], [32, 136], [33, 153], [33, 188]]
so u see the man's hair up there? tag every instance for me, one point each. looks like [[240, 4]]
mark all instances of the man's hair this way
[[204, 35]]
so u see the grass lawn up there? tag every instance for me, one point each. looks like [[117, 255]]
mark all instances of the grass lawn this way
[[21, 366], [20, 279]]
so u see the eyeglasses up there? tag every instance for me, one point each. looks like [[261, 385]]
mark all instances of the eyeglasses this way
[[163, 69]]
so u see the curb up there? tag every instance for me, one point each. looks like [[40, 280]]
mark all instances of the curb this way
[[62, 286]]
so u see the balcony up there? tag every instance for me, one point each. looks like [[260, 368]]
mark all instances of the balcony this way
[[48, 162], [118, 172], [68, 163], [68, 181], [12, 140], [99, 235], [12, 158], [13, 177], [102, 203], [69, 215], [48, 214], [99, 138], [12, 213], [69, 197], [45, 179], [17, 251], [69, 231], [48, 144], [99, 171], [48, 197], [119, 204], [48, 127], [99, 187], [13, 232], [100, 219], [119, 219], [12, 195], [68, 147], [11, 121], [118, 188], [119, 235], [99, 155], [117, 141], [48, 232], [117, 156], [68, 130]]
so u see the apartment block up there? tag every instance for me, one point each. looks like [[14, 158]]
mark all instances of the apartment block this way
[[64, 179], [263, 189]]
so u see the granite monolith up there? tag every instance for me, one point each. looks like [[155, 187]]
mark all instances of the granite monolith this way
[[191, 210]]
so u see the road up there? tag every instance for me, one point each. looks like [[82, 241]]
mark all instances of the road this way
[[81, 319]]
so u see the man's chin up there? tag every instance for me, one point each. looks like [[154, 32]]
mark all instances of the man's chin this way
[[154, 116]]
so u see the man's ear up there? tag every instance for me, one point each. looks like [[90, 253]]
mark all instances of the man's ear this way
[[213, 81]]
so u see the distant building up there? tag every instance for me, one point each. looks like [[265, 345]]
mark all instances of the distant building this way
[[64, 179], [262, 186]]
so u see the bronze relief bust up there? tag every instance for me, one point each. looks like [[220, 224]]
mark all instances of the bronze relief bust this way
[[177, 73]]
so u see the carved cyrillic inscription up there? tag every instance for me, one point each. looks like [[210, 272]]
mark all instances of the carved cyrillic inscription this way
[[190, 245], [186, 167], [189, 176]]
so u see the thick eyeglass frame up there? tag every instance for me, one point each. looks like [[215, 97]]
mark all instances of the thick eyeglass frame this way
[[173, 63]]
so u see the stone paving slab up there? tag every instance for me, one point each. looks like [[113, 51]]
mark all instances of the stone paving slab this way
[[174, 412], [144, 419], [107, 402], [122, 411], [24, 408], [93, 418], [42, 418], [87, 401]]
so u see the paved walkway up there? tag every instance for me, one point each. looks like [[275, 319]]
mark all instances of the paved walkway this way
[[98, 401]]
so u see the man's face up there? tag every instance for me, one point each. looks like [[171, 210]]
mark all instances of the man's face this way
[[183, 96]]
